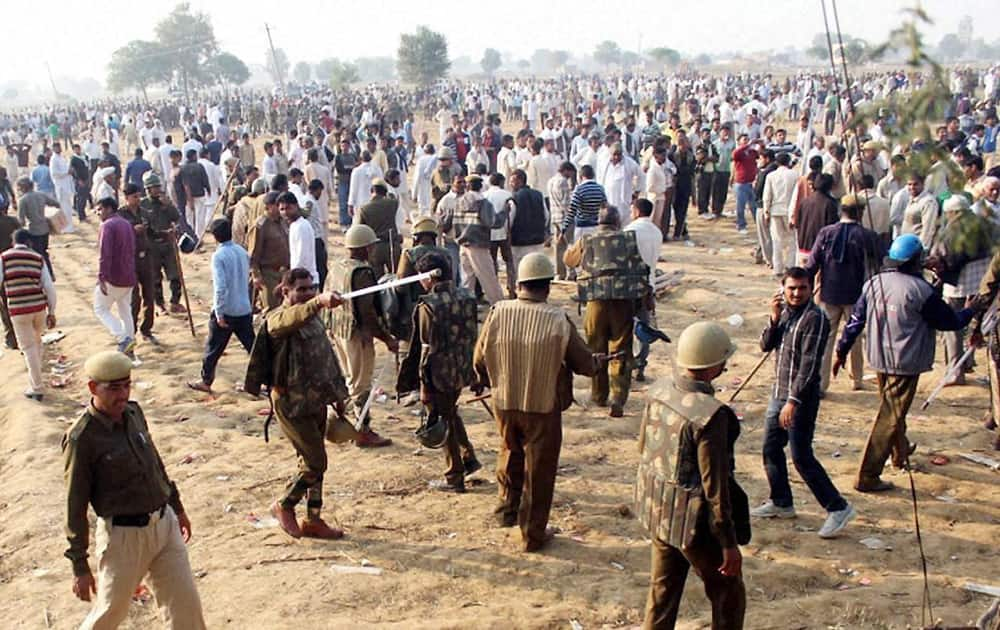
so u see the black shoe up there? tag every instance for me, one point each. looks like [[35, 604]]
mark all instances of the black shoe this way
[[640, 376], [471, 466], [442, 485], [35, 397], [150, 338]]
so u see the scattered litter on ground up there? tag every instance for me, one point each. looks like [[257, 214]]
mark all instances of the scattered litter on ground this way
[[618, 565], [735, 320], [875, 544], [350, 569]]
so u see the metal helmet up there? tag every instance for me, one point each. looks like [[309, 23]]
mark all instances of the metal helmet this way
[[150, 179], [258, 187], [905, 247], [445, 154], [432, 432], [427, 225], [535, 266], [359, 236], [703, 345]]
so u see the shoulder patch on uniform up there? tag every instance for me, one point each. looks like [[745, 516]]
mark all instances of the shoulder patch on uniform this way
[[75, 431]]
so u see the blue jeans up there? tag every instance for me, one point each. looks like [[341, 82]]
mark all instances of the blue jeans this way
[[744, 198], [799, 438], [343, 188], [456, 265]]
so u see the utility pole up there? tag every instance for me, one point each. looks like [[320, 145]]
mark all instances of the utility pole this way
[[274, 60], [51, 80]]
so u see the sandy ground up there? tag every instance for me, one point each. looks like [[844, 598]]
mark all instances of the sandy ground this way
[[443, 564]]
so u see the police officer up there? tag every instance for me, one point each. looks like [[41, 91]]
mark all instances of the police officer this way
[[145, 292], [269, 254], [112, 465], [425, 234], [526, 353], [440, 362], [160, 217], [686, 496], [293, 356], [613, 281], [356, 326], [380, 215]]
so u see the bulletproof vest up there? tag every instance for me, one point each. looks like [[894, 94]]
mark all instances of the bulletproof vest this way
[[448, 363], [668, 493], [344, 320], [611, 268]]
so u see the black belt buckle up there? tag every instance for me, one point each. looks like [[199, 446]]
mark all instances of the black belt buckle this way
[[135, 520]]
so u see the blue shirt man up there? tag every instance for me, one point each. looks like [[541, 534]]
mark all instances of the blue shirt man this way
[[42, 178], [231, 309], [136, 168]]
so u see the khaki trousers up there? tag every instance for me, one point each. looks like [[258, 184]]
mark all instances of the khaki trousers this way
[[28, 329], [125, 555], [357, 358], [667, 573], [526, 470], [269, 297], [888, 435], [607, 325], [305, 426], [477, 264], [838, 313]]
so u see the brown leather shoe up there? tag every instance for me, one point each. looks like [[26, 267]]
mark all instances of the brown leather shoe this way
[[370, 439], [177, 308], [286, 519], [317, 528], [617, 411]]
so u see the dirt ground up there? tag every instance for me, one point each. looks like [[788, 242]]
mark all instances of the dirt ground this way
[[441, 561]]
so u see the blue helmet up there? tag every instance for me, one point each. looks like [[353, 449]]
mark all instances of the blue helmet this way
[[905, 247]]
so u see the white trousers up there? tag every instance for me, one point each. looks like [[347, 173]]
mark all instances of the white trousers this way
[[199, 217], [477, 264], [783, 244], [122, 326], [64, 195]]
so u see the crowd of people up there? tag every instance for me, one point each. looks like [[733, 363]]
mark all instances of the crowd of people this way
[[580, 179]]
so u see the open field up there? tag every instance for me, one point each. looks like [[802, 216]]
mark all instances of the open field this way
[[443, 564]]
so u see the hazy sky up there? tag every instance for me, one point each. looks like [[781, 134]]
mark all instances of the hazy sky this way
[[78, 40]]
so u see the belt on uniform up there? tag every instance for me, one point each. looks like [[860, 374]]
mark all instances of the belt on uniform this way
[[135, 520]]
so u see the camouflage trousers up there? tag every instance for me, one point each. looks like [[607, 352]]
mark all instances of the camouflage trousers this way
[[608, 328], [306, 430]]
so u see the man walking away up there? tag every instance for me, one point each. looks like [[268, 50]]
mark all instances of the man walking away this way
[[231, 309], [900, 348], [116, 276]]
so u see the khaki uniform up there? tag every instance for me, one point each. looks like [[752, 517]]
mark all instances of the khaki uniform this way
[[440, 362], [981, 302], [527, 351], [145, 293], [159, 215], [380, 215], [116, 469], [355, 326], [613, 280], [305, 377], [686, 499], [269, 257]]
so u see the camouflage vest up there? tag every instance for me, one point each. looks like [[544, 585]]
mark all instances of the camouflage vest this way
[[344, 320], [447, 364], [669, 499], [611, 268]]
